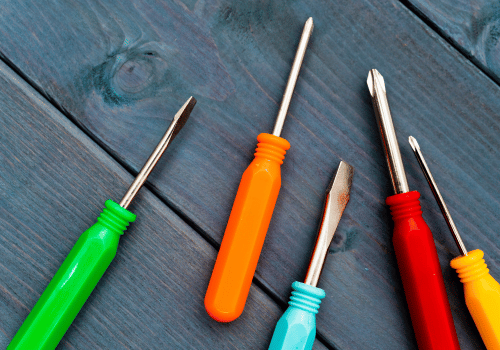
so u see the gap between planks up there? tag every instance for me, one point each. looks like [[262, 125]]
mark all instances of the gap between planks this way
[[442, 34]]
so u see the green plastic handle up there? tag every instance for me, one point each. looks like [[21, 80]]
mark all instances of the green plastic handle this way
[[296, 329], [74, 281]]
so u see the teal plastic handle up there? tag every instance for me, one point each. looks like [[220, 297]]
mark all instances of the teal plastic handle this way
[[296, 329], [74, 281]]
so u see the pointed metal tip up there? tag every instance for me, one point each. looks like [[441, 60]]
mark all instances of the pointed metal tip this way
[[309, 22], [413, 143], [375, 80], [370, 83], [294, 75]]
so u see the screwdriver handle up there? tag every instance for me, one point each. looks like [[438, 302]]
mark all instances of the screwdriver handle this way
[[73, 282], [296, 329], [421, 275], [482, 296], [246, 230]]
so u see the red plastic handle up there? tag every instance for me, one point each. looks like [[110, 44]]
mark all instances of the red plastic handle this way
[[421, 274]]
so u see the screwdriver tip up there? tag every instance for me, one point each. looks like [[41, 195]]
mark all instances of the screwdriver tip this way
[[413, 143], [375, 79], [182, 115], [344, 175], [309, 22]]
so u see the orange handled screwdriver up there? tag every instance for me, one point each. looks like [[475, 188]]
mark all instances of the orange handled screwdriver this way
[[482, 292], [252, 211]]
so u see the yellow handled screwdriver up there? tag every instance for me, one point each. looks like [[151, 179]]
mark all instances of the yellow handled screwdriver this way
[[481, 290]]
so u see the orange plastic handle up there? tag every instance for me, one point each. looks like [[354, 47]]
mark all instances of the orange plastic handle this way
[[246, 230]]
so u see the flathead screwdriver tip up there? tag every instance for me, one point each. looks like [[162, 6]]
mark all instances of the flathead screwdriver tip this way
[[337, 196], [176, 125]]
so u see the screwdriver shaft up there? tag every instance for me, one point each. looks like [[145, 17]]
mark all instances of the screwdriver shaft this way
[[337, 197], [437, 194], [376, 85], [292, 79], [177, 123]]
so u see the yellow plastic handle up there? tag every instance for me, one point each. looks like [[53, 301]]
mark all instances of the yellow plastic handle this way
[[246, 230], [482, 296]]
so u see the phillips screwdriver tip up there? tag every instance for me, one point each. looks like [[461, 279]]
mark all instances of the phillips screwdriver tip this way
[[437, 195], [413, 143], [375, 79], [376, 85]]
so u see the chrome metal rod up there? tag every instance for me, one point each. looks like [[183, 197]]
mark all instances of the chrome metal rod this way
[[437, 195], [337, 196], [292, 79], [177, 123], [376, 85]]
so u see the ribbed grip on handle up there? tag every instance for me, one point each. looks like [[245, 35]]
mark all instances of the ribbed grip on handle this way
[[246, 230], [421, 275], [296, 329], [482, 296], [73, 282]]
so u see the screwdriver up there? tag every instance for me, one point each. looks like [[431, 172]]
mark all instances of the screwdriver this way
[[252, 210], [482, 292], [88, 260], [413, 243], [296, 329]]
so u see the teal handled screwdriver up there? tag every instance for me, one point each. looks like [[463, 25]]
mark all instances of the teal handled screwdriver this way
[[296, 329], [88, 260]]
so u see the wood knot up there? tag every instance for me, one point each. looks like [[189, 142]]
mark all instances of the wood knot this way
[[343, 240], [133, 72]]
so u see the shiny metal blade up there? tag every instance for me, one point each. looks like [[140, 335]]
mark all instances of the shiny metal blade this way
[[437, 194], [337, 196], [178, 122], [294, 75], [376, 85]]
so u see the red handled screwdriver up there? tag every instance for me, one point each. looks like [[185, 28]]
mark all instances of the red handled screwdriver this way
[[413, 242]]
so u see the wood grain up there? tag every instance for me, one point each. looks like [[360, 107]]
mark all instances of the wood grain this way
[[53, 182], [121, 70], [472, 27]]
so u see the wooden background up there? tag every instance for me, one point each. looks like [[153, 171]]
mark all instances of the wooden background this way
[[89, 87]]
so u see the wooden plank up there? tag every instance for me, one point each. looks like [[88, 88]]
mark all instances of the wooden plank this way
[[235, 59], [472, 26], [54, 181]]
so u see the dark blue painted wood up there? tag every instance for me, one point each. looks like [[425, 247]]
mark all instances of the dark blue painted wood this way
[[472, 26], [121, 71], [53, 183]]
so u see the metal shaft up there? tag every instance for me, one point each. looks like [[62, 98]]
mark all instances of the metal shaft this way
[[337, 196], [376, 85], [177, 123], [437, 195], [292, 79]]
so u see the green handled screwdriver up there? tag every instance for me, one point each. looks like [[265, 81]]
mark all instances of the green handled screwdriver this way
[[87, 261], [296, 329]]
